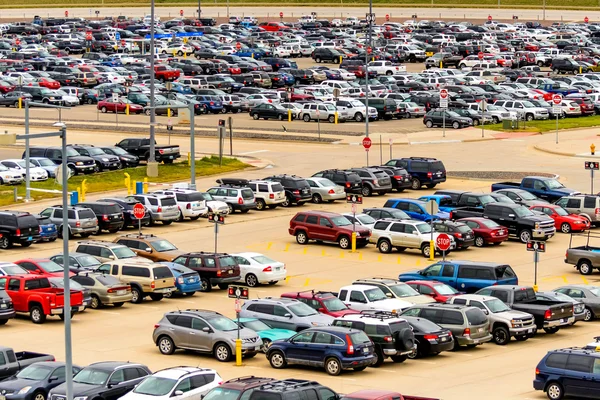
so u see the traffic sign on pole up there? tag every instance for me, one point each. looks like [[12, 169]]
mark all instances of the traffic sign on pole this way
[[489, 17], [595, 165], [443, 242], [139, 211], [354, 199], [443, 98], [586, 20], [556, 99], [534, 245], [480, 55], [366, 143]]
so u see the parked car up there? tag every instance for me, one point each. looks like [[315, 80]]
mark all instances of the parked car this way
[[104, 289], [16, 361], [486, 231], [284, 313], [326, 227], [215, 269], [256, 268], [587, 294]]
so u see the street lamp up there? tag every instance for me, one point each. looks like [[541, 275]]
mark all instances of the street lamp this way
[[152, 167]]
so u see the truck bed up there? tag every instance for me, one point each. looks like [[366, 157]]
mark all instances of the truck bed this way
[[466, 212], [505, 185], [30, 355]]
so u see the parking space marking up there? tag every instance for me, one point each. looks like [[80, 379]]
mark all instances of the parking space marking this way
[[253, 152]]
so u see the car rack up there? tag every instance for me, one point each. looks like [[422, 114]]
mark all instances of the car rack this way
[[378, 314], [287, 384], [232, 182]]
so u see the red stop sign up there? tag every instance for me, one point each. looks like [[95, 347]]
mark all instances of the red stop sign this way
[[489, 17], [366, 142], [280, 15], [387, 17], [586, 20], [139, 211], [369, 50], [181, 13], [443, 242], [67, 14], [480, 55], [556, 99]]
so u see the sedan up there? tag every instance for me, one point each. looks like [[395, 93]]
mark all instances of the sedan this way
[[268, 110], [439, 291], [587, 294], [127, 160], [12, 99], [119, 107], [386, 213], [363, 220], [322, 189], [105, 289], [486, 231], [563, 221], [430, 338], [256, 268], [33, 381], [18, 165], [462, 233], [42, 266], [45, 163]]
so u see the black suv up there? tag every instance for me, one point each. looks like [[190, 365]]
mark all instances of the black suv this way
[[564, 65], [18, 227], [109, 214], [215, 269], [374, 180], [348, 179], [451, 119], [400, 177], [325, 54], [127, 204], [297, 190], [75, 161], [103, 160], [292, 389], [42, 94], [386, 108], [6, 307], [423, 171], [301, 76]]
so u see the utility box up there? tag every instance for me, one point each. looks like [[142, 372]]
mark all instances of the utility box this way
[[183, 116]]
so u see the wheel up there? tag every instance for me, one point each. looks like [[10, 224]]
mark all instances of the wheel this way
[[496, 120], [39, 396], [287, 202], [415, 353], [97, 167], [344, 242], [588, 315], [251, 280], [565, 227], [501, 336], [525, 235], [318, 59], [205, 285], [229, 209], [426, 250], [461, 66], [136, 295], [255, 116], [95, 303], [306, 118], [180, 53], [455, 125], [222, 352], [166, 345], [475, 122], [301, 237], [585, 267], [265, 346], [429, 123], [529, 117], [156, 296], [36, 314], [260, 204], [366, 191], [551, 331], [415, 184], [331, 119], [479, 241], [147, 112], [431, 185], [384, 246], [358, 117], [277, 360], [316, 198], [5, 243], [103, 110], [333, 366], [399, 359], [554, 391]]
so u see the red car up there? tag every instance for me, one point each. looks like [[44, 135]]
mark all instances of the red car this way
[[234, 70], [563, 221], [439, 291], [42, 266], [531, 47], [6, 87], [271, 26], [586, 105], [323, 302], [374, 394], [108, 105], [48, 83], [486, 231]]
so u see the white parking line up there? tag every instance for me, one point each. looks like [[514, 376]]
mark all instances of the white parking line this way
[[253, 152]]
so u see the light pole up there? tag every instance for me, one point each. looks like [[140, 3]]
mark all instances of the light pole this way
[[152, 168], [368, 46], [199, 9]]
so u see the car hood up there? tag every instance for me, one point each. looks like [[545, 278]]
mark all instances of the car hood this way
[[276, 334], [420, 299], [443, 215], [540, 218], [318, 319], [341, 313], [530, 203], [391, 304], [15, 384], [565, 191], [513, 315], [80, 158], [79, 389]]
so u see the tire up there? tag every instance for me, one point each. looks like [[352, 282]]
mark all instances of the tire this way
[[306, 118], [525, 235], [496, 120], [265, 346], [62, 316], [429, 124], [166, 345], [358, 117], [222, 352], [565, 227], [554, 391], [399, 359], [39, 395], [137, 295], [277, 360], [280, 117], [251, 280], [103, 110], [416, 352], [287, 202], [540, 64], [331, 119], [588, 315], [95, 303], [529, 117], [461, 66], [318, 59], [475, 122], [521, 338], [205, 285], [415, 184], [585, 267], [36, 314], [384, 246], [5, 243], [479, 241], [147, 112], [316, 198], [260, 204], [230, 210], [455, 125], [366, 191], [90, 101], [301, 237], [551, 331], [344, 242], [255, 116], [156, 296], [333, 366], [425, 250], [501, 336]]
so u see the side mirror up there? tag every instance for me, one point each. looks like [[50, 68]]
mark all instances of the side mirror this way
[[206, 329], [486, 312], [544, 188], [511, 216], [38, 271], [148, 250], [388, 295], [288, 315], [53, 378], [178, 393], [111, 257]]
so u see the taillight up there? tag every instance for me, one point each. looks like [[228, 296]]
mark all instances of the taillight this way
[[331, 191], [429, 174], [296, 191], [548, 314], [219, 273], [397, 177], [271, 195], [348, 184], [240, 200], [159, 209], [268, 269], [156, 326], [18, 232], [350, 348], [388, 339], [467, 332], [537, 371], [105, 217], [212, 103], [161, 151], [77, 224], [597, 211], [458, 235], [152, 285], [431, 337]]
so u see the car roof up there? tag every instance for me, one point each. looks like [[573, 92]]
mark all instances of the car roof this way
[[246, 382], [477, 297], [483, 264], [111, 365], [178, 372], [281, 300], [321, 213], [370, 394]]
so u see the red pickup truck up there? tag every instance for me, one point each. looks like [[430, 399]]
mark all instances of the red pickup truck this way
[[33, 294], [165, 73]]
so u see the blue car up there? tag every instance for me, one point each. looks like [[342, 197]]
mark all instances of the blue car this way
[[187, 281], [416, 209], [210, 103], [444, 201], [179, 88], [48, 231], [332, 348]]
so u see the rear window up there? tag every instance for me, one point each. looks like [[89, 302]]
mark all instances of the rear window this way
[[476, 317], [162, 272], [381, 174], [113, 209], [277, 187], [108, 280], [437, 166], [86, 214], [190, 196], [504, 272], [359, 337], [169, 201], [37, 284], [27, 221], [398, 326], [463, 229], [247, 194], [227, 262]]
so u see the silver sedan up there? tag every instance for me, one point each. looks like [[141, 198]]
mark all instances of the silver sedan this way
[[587, 294], [322, 189]]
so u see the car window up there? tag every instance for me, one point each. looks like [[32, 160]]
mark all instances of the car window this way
[[323, 338], [434, 270], [452, 317], [580, 363], [305, 337], [448, 270], [502, 295], [312, 219], [358, 297]]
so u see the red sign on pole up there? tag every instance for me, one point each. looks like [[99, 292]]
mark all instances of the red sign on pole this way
[[480, 55], [181, 13], [443, 93], [238, 45], [369, 50], [586, 20], [366, 142], [556, 99], [489, 17], [443, 242], [280, 15], [88, 35], [139, 211], [387, 17]]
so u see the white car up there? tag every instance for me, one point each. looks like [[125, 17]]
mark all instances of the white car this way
[[364, 220], [9, 177], [177, 383], [19, 166], [191, 203], [257, 268], [112, 77], [67, 99], [178, 48], [8, 268], [347, 76], [215, 206]]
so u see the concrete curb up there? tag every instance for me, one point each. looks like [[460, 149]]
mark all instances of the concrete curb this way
[[557, 153]]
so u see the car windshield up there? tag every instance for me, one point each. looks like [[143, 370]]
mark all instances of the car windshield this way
[[45, 162], [22, 164], [14, 270], [88, 261], [424, 228], [263, 259], [155, 386], [163, 245], [222, 323], [486, 199], [553, 184], [561, 211], [356, 103], [496, 306], [256, 325], [94, 151], [523, 212], [399, 214], [71, 152], [50, 266], [504, 272], [91, 376], [302, 310], [334, 304], [527, 196], [340, 221], [35, 372], [366, 219], [118, 151], [375, 294], [123, 252], [595, 291], [444, 289], [489, 223], [222, 394]]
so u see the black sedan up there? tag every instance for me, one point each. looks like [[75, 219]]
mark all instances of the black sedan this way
[[35, 381], [451, 119], [127, 160], [268, 110], [430, 338], [463, 235], [12, 98]]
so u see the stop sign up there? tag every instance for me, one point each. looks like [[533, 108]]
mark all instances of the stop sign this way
[[280, 15], [586, 20], [387, 17], [366, 142], [443, 242], [444, 94], [139, 211], [238, 45], [480, 55], [369, 50], [556, 99], [67, 14], [489, 17], [181, 13], [88, 35]]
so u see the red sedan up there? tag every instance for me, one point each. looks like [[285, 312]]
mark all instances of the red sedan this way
[[563, 221], [6, 87], [439, 291], [486, 231], [42, 266], [119, 107], [48, 83]]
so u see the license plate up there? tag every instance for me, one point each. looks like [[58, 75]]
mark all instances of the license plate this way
[[277, 269], [29, 238], [230, 272], [564, 320], [529, 330], [443, 339], [3, 306], [366, 350], [121, 292], [170, 157]]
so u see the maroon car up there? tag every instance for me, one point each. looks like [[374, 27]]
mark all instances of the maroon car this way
[[119, 107], [323, 302], [323, 226], [486, 231], [377, 394]]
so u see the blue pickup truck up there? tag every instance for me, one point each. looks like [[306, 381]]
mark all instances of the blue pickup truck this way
[[557, 89], [543, 187], [465, 276], [444, 201], [416, 209]]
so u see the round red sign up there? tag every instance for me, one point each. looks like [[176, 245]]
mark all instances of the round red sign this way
[[238, 45], [489, 17], [139, 211], [443, 93], [280, 15], [480, 55], [67, 14], [443, 242], [586, 20], [181, 13], [556, 99], [387, 17], [367, 143]]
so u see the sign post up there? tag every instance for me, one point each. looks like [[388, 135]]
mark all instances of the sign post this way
[[432, 209], [592, 166], [139, 211], [536, 247], [483, 108], [217, 219], [443, 243], [366, 143], [444, 107], [354, 199], [238, 293], [556, 100]]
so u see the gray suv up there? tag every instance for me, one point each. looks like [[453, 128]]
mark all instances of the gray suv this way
[[237, 197], [162, 208], [284, 313], [204, 331], [587, 206], [82, 221]]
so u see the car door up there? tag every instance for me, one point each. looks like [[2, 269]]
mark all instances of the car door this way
[[433, 272], [115, 386], [415, 212], [577, 375], [283, 318], [574, 205], [448, 275], [358, 301], [300, 350], [200, 337], [326, 229], [322, 344], [411, 237]]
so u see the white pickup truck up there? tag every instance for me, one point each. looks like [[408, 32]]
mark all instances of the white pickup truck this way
[[544, 57], [367, 297], [386, 68]]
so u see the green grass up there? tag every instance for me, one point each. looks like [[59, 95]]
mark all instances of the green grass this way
[[114, 180], [550, 124]]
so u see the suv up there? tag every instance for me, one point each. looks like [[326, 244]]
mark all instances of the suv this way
[[103, 160], [319, 112], [373, 180], [327, 227], [267, 194], [587, 206], [107, 251], [291, 389], [145, 278], [215, 269], [324, 302], [162, 208], [469, 325], [6, 308], [82, 221], [297, 190], [149, 246], [244, 386], [423, 171], [237, 197], [127, 204], [326, 54], [42, 94], [191, 203], [566, 65], [406, 234], [386, 108], [284, 313], [524, 109], [110, 215], [18, 227], [400, 177], [75, 161], [212, 333], [392, 336], [350, 180]]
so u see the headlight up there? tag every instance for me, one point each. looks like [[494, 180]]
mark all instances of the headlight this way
[[24, 390], [78, 163], [105, 159], [80, 398]]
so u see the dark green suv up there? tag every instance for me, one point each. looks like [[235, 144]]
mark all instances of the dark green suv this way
[[386, 108]]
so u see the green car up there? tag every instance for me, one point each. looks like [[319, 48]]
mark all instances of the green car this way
[[266, 333]]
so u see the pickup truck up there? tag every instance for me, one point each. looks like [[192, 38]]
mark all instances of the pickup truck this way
[[386, 68], [444, 201], [12, 362], [557, 89], [544, 57], [165, 73], [520, 221], [6, 307], [543, 187], [461, 198], [447, 60], [548, 315], [35, 295], [585, 258], [141, 148], [366, 297]]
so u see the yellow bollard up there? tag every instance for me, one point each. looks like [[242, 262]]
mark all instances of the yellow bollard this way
[[535, 288], [238, 352], [184, 56], [127, 109], [289, 115], [127, 182], [133, 188], [431, 250], [593, 149], [20, 103], [353, 242], [79, 194], [169, 112], [189, 159], [174, 53], [84, 189], [441, 64], [336, 117], [145, 185]]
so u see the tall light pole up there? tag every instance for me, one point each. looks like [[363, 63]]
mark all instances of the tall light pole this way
[[367, 46], [152, 169], [199, 9]]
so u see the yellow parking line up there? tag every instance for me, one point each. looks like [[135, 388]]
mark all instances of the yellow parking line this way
[[287, 247], [379, 258], [564, 278], [399, 260], [269, 245], [306, 282], [341, 254], [360, 255], [585, 280], [305, 251]]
